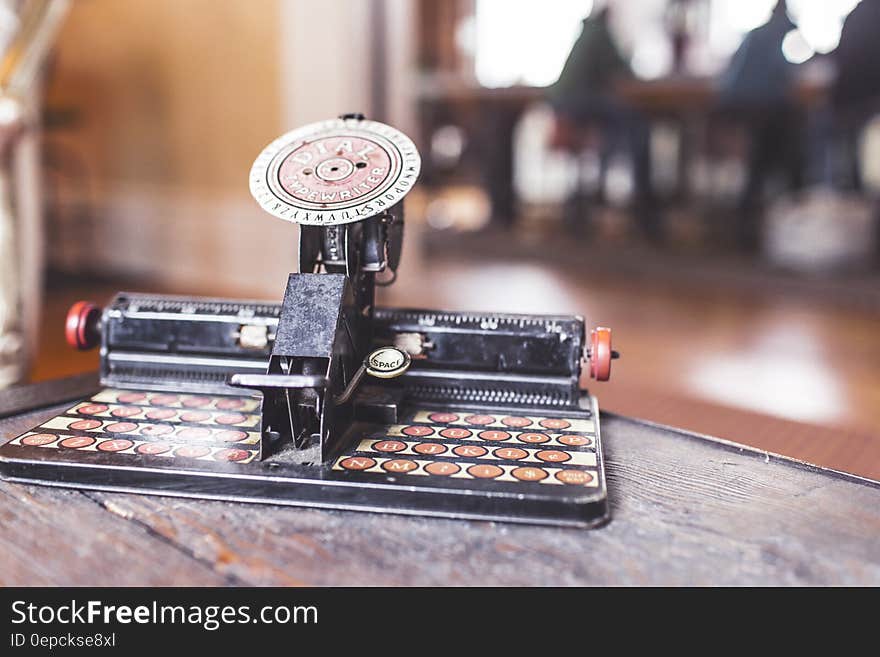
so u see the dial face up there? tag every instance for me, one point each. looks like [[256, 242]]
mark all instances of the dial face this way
[[335, 172]]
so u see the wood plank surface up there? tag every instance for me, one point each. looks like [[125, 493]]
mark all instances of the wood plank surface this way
[[686, 510]]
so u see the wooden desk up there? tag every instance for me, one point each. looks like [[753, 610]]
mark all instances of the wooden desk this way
[[686, 510]]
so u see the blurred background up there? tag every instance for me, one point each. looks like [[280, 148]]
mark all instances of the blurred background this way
[[700, 175]]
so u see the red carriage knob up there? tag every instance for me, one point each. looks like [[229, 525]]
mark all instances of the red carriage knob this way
[[600, 353], [82, 327]]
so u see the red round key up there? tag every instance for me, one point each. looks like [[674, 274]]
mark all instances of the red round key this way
[[443, 418], [192, 451], [231, 418], [493, 434], [389, 446], [39, 439], [153, 448], [191, 433], [82, 326], [121, 427], [125, 411], [131, 397], [115, 445], [442, 468], [230, 436], [164, 399], [156, 429], [229, 404], [196, 402], [417, 430], [231, 455], [85, 425], [600, 353], [357, 463], [555, 423], [195, 416], [77, 442], [456, 433], [92, 409], [160, 414]]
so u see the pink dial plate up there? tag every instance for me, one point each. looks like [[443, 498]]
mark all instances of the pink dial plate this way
[[334, 172]]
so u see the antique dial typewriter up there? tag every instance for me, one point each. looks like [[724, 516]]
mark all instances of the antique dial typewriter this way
[[325, 400]]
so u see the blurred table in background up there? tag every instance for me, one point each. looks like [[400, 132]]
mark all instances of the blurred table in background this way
[[489, 117]]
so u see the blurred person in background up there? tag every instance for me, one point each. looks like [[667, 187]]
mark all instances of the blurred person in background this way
[[583, 98], [855, 93], [756, 90]]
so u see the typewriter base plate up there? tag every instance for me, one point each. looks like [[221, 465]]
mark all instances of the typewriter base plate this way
[[488, 463]]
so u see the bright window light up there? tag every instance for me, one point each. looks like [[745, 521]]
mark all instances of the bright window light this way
[[795, 47], [525, 42], [821, 22], [818, 25]]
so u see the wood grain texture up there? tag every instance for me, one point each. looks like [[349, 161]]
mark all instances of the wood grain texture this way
[[686, 510]]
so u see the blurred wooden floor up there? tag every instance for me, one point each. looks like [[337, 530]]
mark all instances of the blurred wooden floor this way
[[775, 370]]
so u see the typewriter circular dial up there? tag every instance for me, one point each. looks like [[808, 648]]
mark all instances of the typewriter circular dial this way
[[334, 172]]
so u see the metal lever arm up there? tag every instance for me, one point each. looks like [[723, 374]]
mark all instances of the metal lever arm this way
[[383, 363]]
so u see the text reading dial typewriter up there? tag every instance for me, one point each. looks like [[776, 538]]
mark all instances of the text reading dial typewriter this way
[[325, 400]]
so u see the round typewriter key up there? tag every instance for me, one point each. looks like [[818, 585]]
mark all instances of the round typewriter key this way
[[85, 425], [534, 438], [516, 421], [120, 427], [192, 451], [456, 433], [493, 434], [38, 439], [125, 411], [400, 465], [131, 397], [387, 363], [229, 404], [92, 409], [152, 448], [416, 430], [194, 416], [191, 433], [471, 451], [115, 445], [156, 429], [555, 423], [196, 402], [443, 418], [389, 446], [553, 456], [573, 440], [574, 477], [231, 418], [164, 400], [160, 414], [482, 471], [77, 442], [230, 436], [442, 468], [479, 420], [357, 463], [511, 453], [231, 455], [529, 474], [430, 448]]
